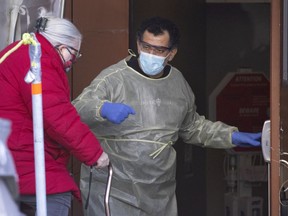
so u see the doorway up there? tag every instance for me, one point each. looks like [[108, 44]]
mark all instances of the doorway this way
[[202, 63]]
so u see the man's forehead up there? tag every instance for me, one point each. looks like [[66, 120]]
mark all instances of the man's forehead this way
[[161, 39]]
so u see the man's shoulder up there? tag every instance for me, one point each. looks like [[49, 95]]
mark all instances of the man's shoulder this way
[[177, 72], [118, 66], [113, 69]]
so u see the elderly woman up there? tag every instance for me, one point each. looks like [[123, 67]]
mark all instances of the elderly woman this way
[[64, 133]]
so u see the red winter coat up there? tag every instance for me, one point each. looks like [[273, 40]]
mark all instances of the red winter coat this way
[[64, 133]]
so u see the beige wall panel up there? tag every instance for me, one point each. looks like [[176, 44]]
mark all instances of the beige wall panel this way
[[95, 14], [105, 29], [100, 49]]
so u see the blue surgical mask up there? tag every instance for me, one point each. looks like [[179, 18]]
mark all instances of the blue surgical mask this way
[[151, 64]]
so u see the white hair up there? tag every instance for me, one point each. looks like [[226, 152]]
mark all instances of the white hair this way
[[60, 31]]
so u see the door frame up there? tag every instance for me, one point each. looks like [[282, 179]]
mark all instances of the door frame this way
[[275, 60]]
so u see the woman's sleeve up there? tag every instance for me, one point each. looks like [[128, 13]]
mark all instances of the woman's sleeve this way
[[61, 120]]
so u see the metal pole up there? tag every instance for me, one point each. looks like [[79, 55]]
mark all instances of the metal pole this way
[[62, 9], [34, 77]]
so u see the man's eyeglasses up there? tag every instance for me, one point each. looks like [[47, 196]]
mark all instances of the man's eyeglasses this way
[[158, 50]]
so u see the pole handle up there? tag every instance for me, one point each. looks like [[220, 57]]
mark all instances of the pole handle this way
[[108, 188]]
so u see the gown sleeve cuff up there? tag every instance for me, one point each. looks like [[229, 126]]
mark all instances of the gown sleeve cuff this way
[[98, 109]]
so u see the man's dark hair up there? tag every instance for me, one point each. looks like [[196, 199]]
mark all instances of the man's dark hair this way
[[157, 26]]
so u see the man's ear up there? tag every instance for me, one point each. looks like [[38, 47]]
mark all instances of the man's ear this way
[[172, 54]]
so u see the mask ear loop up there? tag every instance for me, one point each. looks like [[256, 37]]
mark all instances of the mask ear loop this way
[[131, 52]]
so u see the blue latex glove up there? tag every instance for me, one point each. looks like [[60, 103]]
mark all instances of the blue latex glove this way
[[242, 139], [116, 112]]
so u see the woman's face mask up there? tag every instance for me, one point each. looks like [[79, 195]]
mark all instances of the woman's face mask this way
[[151, 64], [71, 57], [68, 66]]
